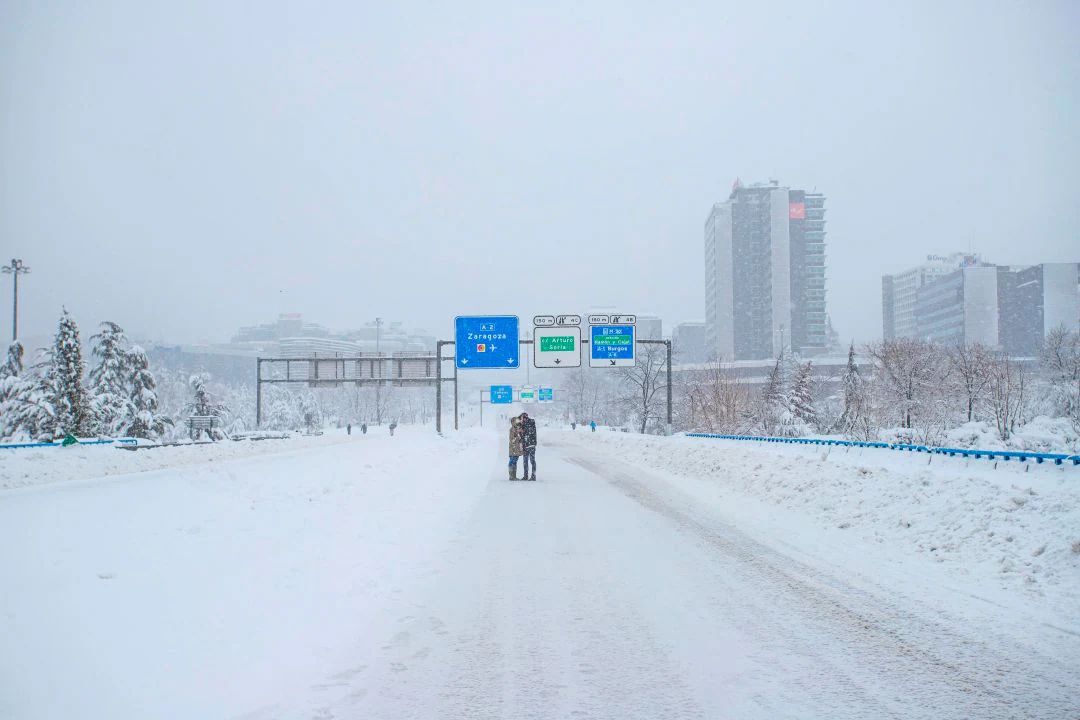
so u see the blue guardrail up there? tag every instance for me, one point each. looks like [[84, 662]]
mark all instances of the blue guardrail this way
[[13, 446], [1019, 455]]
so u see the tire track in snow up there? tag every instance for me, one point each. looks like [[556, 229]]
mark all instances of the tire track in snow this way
[[938, 669]]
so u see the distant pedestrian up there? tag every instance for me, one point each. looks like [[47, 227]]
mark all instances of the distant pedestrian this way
[[573, 426], [393, 427], [363, 428], [592, 424], [528, 445], [348, 428], [516, 448]]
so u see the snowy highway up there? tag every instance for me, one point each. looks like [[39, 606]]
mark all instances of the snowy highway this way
[[406, 578]]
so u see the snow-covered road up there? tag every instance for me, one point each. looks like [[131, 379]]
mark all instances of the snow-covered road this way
[[406, 578]]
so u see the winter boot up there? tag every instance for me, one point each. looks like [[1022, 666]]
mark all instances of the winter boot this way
[[513, 473]]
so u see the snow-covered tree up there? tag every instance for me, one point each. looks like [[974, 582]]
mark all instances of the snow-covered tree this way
[[70, 400], [281, 411], [646, 383], [714, 402], [145, 421], [855, 421], [1061, 365], [970, 365], [774, 414], [31, 411], [1006, 393], [309, 410], [11, 384], [802, 395], [203, 403], [910, 374], [110, 380], [13, 361]]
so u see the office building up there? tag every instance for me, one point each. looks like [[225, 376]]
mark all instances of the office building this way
[[1033, 301], [1004, 308], [898, 292], [688, 342], [959, 308], [765, 273]]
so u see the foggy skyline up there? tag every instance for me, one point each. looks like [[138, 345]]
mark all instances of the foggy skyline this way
[[187, 170]]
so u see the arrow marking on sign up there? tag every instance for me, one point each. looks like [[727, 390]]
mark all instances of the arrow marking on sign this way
[[612, 362]]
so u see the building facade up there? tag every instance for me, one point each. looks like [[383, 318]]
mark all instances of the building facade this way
[[765, 273], [688, 342], [1005, 308], [1033, 301], [959, 308], [899, 291]]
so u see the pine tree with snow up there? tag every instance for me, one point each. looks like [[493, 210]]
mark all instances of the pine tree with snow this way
[[70, 400], [109, 380], [11, 385], [282, 412], [774, 412], [31, 410], [13, 362], [202, 403], [855, 420], [802, 396], [309, 409], [144, 420]]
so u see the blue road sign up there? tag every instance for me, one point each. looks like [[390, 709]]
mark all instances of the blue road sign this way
[[486, 342], [546, 395], [612, 346], [502, 394]]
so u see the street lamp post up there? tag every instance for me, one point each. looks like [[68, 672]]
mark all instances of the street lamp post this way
[[15, 269]]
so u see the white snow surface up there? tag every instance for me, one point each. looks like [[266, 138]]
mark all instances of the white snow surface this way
[[405, 577], [1042, 434], [23, 467], [1006, 526]]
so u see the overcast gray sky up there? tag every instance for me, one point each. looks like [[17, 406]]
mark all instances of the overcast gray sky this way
[[184, 168]]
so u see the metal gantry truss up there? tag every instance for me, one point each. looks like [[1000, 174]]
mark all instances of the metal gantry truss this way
[[373, 369], [401, 369]]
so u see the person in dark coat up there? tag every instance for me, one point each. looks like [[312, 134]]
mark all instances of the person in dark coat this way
[[528, 445]]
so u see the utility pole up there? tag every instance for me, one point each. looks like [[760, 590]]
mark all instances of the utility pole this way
[[378, 385], [15, 269]]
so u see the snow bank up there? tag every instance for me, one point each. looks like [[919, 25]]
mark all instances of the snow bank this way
[[1042, 434], [211, 591], [22, 467], [1014, 527]]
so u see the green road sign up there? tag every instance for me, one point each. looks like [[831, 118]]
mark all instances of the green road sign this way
[[557, 347], [613, 340], [558, 343]]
